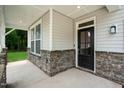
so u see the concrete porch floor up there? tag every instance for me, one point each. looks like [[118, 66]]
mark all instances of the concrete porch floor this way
[[24, 74]]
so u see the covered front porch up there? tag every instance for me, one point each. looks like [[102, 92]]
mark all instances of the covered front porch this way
[[53, 45], [24, 74]]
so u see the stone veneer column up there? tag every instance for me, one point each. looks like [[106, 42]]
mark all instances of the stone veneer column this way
[[111, 66], [3, 61], [53, 62]]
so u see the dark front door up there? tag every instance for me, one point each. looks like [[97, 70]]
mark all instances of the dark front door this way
[[86, 48]]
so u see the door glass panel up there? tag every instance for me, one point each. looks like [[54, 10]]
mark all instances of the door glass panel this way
[[88, 42], [85, 43], [82, 43], [88, 34]]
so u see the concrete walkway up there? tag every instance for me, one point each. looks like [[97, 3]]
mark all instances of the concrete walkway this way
[[24, 74]]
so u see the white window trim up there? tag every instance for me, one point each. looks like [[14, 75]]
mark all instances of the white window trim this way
[[41, 39], [76, 35], [32, 40]]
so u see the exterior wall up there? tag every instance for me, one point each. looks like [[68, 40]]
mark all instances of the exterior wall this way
[[109, 47], [46, 31], [62, 60], [57, 52], [62, 32], [104, 19], [57, 32], [53, 62], [111, 66], [62, 56], [41, 61]]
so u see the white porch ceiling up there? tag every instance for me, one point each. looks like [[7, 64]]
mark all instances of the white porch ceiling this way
[[21, 16]]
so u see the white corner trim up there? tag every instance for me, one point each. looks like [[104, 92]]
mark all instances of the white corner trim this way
[[76, 44], [95, 44], [51, 29], [123, 35]]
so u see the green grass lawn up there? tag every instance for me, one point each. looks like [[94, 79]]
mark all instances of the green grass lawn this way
[[16, 56]]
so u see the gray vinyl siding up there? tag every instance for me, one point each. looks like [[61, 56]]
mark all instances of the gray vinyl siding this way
[[104, 19], [62, 32]]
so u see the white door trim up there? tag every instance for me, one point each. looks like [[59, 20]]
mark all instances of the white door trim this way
[[76, 38]]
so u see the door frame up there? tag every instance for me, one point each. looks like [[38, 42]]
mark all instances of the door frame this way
[[76, 39]]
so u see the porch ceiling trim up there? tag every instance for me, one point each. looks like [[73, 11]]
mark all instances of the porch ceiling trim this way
[[9, 31]]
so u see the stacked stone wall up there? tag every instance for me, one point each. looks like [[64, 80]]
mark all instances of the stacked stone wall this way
[[111, 66], [53, 62]]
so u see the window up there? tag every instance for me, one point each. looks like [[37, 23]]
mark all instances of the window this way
[[38, 39], [35, 39], [86, 23]]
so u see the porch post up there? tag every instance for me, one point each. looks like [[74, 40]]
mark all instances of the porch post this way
[[2, 29], [29, 38]]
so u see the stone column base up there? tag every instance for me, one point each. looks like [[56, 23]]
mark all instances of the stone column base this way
[[3, 61]]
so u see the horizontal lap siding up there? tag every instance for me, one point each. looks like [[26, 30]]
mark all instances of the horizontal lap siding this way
[[104, 40], [62, 32], [46, 29]]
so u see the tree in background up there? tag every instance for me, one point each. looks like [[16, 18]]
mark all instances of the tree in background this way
[[16, 40]]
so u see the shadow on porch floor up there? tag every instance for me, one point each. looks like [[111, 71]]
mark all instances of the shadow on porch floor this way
[[24, 74]]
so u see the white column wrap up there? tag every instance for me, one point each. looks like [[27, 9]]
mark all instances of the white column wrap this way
[[29, 38], [2, 29]]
